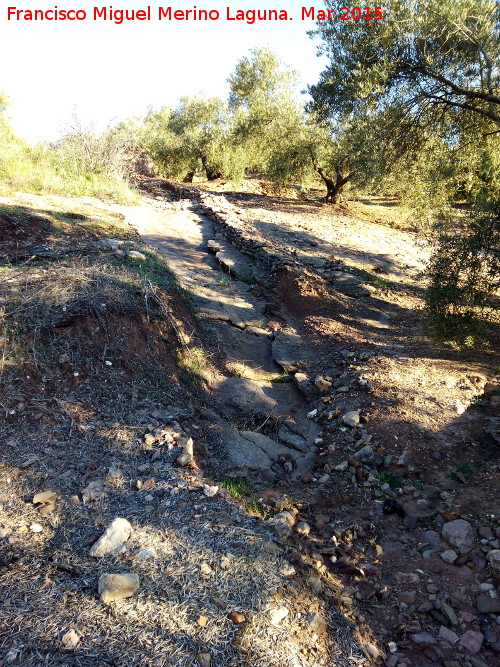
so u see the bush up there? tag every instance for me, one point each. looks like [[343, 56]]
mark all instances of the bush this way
[[464, 273]]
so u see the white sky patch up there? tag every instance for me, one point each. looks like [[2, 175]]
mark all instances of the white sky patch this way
[[109, 72]]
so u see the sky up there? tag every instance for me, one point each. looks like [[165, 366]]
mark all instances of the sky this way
[[107, 72]]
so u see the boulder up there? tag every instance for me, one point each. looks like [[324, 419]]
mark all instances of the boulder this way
[[460, 534]]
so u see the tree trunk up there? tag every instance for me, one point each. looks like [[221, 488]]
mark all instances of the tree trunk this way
[[211, 173], [334, 187], [189, 177]]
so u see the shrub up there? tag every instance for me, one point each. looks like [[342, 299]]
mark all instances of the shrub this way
[[464, 273]]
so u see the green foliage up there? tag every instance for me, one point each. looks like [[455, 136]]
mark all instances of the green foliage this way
[[265, 107], [390, 478], [238, 486], [431, 58], [195, 136], [464, 274]]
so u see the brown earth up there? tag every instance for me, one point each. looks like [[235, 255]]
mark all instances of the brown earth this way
[[350, 288]]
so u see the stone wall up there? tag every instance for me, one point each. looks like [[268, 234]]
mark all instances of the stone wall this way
[[222, 212]]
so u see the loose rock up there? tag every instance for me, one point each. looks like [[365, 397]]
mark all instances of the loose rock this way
[[472, 641], [114, 587], [448, 635], [278, 614], [44, 497], [487, 605], [493, 558], [236, 618], [460, 534], [146, 554], [70, 640], [317, 623], [351, 418], [449, 556], [113, 539]]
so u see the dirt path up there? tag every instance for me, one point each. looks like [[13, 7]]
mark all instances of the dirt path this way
[[233, 320], [339, 313], [362, 443]]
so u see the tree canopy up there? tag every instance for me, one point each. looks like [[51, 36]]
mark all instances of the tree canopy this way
[[430, 58]]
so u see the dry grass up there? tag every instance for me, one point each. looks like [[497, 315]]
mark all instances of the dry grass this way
[[69, 418], [158, 626]]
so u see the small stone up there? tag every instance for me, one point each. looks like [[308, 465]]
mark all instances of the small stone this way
[[93, 492], [283, 522], [210, 491], [351, 418], [184, 460], [113, 587], [70, 640], [150, 439], [236, 617], [449, 556], [449, 612], [317, 623], [202, 621], [408, 597], [493, 558], [146, 554], [322, 384], [148, 484], [486, 533], [423, 638], [312, 414], [44, 497], [277, 614], [404, 458], [487, 605], [287, 570], [448, 635], [135, 254], [112, 540], [36, 528], [472, 641], [204, 659], [316, 584], [371, 650], [303, 528], [47, 509], [407, 577], [205, 569]]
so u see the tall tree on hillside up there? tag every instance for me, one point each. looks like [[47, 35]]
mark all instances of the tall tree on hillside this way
[[432, 58], [431, 71], [195, 136], [265, 104], [279, 138]]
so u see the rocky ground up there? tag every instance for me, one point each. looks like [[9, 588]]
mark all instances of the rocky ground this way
[[310, 480]]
